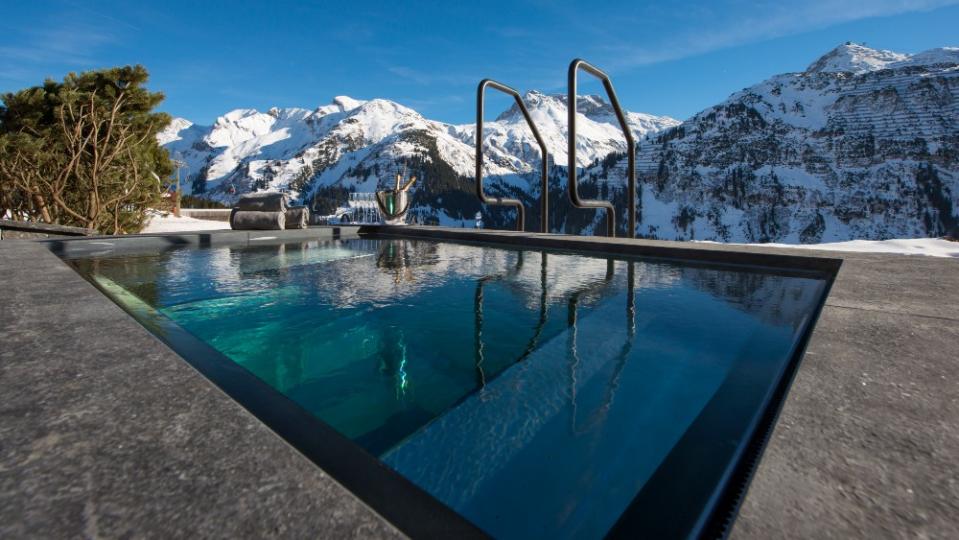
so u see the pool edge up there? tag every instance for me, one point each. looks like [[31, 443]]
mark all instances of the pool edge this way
[[411, 519], [861, 276]]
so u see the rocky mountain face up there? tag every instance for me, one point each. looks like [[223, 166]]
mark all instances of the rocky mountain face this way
[[863, 144]]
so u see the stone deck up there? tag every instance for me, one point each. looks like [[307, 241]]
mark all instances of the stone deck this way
[[106, 432]]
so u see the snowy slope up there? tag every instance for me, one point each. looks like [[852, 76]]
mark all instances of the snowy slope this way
[[353, 145], [930, 247], [597, 130], [165, 222], [863, 144], [853, 58], [249, 140]]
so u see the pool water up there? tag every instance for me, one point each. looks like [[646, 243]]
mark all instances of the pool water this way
[[539, 395]]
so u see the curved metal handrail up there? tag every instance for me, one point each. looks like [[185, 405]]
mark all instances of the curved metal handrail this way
[[544, 194], [574, 68]]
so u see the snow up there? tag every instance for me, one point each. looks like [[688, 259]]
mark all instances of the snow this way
[[172, 132], [802, 141], [350, 142], [162, 222], [346, 103], [597, 130], [829, 155], [855, 58], [932, 247], [932, 57], [858, 59]]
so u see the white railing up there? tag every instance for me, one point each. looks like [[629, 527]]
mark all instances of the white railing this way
[[363, 208]]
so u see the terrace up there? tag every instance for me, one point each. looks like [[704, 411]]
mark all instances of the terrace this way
[[107, 431]]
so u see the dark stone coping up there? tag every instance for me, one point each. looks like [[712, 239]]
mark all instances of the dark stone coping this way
[[616, 246], [42, 229], [146, 243], [107, 437]]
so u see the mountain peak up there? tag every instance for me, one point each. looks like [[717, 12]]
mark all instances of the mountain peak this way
[[236, 115], [172, 131], [346, 103], [340, 104], [589, 105], [855, 58]]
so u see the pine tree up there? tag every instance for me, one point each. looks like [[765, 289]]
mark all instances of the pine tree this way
[[83, 151]]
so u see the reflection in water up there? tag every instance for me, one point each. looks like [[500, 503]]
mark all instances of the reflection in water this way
[[393, 358], [478, 319], [543, 309], [478, 332], [478, 311], [595, 288], [395, 256], [557, 445], [368, 336], [621, 358]]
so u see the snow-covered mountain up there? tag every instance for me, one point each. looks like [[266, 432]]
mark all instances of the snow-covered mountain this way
[[350, 145], [862, 144], [597, 130]]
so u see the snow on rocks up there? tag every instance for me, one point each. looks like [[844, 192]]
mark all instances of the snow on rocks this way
[[855, 58]]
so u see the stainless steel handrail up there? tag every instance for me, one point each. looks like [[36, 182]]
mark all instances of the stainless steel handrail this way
[[544, 194], [574, 68]]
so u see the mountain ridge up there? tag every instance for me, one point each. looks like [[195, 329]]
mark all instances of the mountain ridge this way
[[827, 154], [862, 144]]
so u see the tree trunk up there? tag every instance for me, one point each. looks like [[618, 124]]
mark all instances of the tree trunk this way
[[42, 206]]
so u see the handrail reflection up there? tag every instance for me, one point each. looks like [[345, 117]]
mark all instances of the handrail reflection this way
[[479, 356], [622, 356], [572, 315]]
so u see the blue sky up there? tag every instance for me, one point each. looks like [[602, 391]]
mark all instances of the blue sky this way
[[672, 58]]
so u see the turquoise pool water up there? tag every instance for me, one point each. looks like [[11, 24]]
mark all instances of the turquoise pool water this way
[[536, 394]]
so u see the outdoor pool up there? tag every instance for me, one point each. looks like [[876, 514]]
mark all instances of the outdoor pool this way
[[535, 393]]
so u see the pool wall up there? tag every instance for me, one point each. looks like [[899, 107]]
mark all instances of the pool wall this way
[[117, 436]]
